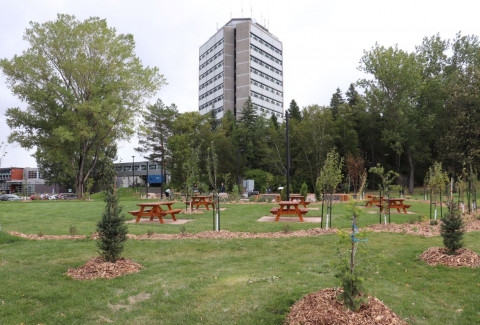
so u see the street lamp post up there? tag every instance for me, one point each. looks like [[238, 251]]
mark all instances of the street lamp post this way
[[133, 172]]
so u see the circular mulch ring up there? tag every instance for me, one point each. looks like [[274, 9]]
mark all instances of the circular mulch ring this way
[[438, 256], [322, 307], [98, 268]]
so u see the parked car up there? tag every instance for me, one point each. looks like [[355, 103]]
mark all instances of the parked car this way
[[67, 196], [53, 197], [10, 197]]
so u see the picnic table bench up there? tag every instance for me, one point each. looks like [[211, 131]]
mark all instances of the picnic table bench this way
[[300, 198], [202, 200], [373, 200], [155, 210], [394, 204], [289, 208]]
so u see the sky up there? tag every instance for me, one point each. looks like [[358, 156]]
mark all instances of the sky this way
[[323, 41]]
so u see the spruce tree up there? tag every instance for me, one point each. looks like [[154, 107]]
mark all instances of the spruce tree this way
[[294, 110], [452, 230], [112, 230]]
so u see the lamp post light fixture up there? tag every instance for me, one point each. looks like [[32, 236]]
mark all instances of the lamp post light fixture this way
[[133, 172]]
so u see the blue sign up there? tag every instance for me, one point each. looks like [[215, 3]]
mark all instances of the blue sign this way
[[155, 179]]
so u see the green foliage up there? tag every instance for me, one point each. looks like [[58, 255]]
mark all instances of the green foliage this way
[[283, 194], [304, 190], [259, 176], [83, 86], [436, 179], [263, 189], [331, 173], [452, 231], [155, 130], [112, 231], [352, 285], [351, 280], [387, 178], [235, 195], [294, 111]]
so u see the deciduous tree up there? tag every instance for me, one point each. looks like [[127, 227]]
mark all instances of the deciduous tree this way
[[83, 85]]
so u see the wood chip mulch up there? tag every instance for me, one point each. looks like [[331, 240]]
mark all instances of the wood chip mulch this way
[[438, 255], [43, 237], [98, 268], [322, 307], [419, 228]]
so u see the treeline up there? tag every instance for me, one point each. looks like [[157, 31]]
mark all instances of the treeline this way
[[412, 109]]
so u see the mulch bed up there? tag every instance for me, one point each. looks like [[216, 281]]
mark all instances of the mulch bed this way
[[438, 255], [322, 307], [98, 268]]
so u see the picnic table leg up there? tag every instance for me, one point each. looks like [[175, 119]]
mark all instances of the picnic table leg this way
[[138, 217], [279, 212], [160, 218], [173, 216], [299, 213]]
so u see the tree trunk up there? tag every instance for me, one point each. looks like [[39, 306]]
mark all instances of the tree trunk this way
[[412, 173]]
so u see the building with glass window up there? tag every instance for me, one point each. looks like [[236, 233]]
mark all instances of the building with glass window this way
[[242, 59], [25, 181], [140, 173]]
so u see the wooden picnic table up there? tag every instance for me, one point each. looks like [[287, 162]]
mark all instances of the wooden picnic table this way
[[373, 200], [205, 200], [300, 198], [289, 208], [155, 210], [394, 203]]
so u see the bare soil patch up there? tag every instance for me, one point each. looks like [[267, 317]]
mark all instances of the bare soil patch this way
[[438, 255], [322, 307], [43, 237], [98, 268]]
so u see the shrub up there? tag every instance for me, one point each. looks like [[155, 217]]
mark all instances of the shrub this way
[[73, 230], [304, 190], [112, 230], [235, 193], [452, 230], [283, 194], [263, 189]]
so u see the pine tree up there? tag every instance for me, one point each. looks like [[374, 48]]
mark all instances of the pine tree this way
[[294, 110], [336, 101], [352, 95], [452, 231], [111, 229]]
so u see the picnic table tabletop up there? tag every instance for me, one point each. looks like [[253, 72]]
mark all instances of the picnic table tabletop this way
[[155, 211], [288, 208]]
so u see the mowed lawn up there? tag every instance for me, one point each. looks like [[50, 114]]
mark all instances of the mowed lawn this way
[[230, 281]]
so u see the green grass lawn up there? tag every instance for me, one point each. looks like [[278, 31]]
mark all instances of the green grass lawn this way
[[235, 281]]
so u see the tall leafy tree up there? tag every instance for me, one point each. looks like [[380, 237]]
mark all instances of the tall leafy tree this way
[[83, 85], [393, 94]]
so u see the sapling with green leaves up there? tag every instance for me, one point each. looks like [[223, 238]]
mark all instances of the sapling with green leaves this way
[[112, 231], [192, 173], [212, 166], [350, 278], [328, 180], [387, 178], [436, 180]]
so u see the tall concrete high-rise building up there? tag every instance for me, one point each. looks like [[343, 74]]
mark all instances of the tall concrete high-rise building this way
[[242, 59]]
